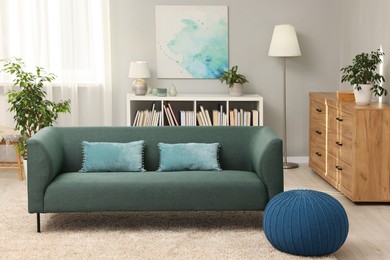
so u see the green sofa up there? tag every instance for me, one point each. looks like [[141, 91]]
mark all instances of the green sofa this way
[[250, 158]]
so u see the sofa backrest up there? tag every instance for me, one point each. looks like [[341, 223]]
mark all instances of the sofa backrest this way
[[234, 142]]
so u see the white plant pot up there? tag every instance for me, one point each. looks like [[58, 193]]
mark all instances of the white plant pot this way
[[236, 90], [364, 95]]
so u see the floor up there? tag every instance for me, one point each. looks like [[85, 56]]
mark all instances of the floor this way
[[369, 224], [369, 233]]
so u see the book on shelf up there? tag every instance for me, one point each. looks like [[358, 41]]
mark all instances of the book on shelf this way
[[255, 117], [232, 118], [241, 116], [222, 115], [208, 119], [183, 118], [142, 118], [191, 118], [199, 118], [203, 115], [152, 113], [216, 118], [136, 118], [247, 118]]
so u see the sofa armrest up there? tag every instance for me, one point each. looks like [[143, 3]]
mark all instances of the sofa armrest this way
[[267, 160], [44, 156]]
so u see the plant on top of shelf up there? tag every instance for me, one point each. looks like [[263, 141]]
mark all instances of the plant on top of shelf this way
[[28, 101], [363, 71], [234, 80]]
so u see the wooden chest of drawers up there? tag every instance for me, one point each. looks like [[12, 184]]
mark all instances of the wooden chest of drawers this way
[[350, 146]]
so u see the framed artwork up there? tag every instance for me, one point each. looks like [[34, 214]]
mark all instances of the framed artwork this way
[[192, 41]]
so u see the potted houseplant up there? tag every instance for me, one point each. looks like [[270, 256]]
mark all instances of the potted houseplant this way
[[28, 101], [363, 75], [234, 80]]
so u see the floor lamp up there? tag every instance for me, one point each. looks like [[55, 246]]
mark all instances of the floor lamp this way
[[284, 44]]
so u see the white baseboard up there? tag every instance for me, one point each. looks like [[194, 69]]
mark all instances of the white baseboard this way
[[298, 159]]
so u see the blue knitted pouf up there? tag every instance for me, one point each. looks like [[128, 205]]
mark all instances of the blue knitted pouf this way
[[305, 222]]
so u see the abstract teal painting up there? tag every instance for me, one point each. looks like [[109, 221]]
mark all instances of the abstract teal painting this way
[[192, 41]]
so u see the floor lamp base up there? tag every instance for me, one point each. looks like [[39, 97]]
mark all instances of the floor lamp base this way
[[290, 165]]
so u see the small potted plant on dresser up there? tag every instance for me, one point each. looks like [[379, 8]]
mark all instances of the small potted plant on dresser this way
[[32, 111], [364, 76], [234, 80]]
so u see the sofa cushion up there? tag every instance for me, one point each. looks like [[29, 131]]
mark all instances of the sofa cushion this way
[[189, 156], [106, 156], [179, 190]]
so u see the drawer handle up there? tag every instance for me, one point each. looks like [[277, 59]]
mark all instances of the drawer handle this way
[[339, 119], [339, 144], [318, 154], [318, 132], [339, 168], [318, 110]]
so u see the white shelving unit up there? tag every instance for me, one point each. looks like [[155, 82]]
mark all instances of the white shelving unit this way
[[192, 102]]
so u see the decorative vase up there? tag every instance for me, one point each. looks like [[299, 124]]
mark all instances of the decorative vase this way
[[173, 91], [140, 87], [364, 95], [236, 90]]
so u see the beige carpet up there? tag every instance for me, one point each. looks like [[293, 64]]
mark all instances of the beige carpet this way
[[180, 235]]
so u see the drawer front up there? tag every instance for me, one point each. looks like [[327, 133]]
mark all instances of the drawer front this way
[[340, 147], [345, 150], [332, 122], [331, 169], [340, 122], [333, 148], [318, 156], [340, 171], [345, 175], [318, 134], [345, 122], [318, 112]]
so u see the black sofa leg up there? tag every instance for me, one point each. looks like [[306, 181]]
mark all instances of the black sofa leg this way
[[38, 223]]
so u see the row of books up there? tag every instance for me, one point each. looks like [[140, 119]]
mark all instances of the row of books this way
[[240, 117], [237, 117], [147, 117]]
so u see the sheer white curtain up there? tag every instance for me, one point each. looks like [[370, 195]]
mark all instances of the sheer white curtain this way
[[70, 38]]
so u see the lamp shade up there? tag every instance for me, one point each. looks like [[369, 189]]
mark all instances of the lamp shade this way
[[284, 42], [139, 70]]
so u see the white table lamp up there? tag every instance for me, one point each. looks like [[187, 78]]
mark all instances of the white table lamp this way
[[139, 71], [284, 44]]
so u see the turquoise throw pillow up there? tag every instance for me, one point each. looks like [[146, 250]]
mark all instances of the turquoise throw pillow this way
[[110, 157], [189, 156]]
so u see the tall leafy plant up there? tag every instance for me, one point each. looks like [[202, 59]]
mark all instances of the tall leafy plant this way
[[32, 111], [363, 70]]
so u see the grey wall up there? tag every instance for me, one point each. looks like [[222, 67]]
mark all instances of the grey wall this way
[[251, 24], [365, 27]]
